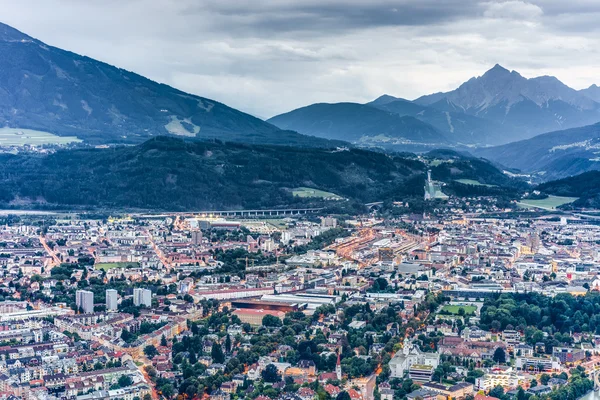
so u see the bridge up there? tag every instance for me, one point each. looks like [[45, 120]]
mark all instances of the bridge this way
[[237, 213], [594, 375], [374, 204]]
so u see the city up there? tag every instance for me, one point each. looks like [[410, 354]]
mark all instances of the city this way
[[300, 200], [142, 306]]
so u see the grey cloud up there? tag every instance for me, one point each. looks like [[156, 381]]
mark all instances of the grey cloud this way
[[269, 56], [318, 17]]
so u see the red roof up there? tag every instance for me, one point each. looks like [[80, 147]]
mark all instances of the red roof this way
[[483, 397], [251, 311]]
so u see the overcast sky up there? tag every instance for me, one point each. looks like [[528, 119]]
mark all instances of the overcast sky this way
[[270, 56]]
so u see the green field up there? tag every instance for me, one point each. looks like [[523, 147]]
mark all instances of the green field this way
[[549, 203], [21, 137], [107, 266], [453, 309], [473, 182], [310, 192]]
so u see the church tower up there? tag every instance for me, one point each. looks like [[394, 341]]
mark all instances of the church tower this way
[[338, 369]]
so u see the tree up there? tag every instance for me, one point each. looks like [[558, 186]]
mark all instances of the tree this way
[[497, 392], [228, 344], [343, 396], [124, 381], [533, 383], [167, 390], [163, 341], [217, 353], [150, 351], [499, 355], [270, 374], [271, 320]]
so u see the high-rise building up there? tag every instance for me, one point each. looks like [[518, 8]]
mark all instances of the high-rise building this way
[[111, 300], [84, 300], [328, 222], [196, 238], [142, 297]]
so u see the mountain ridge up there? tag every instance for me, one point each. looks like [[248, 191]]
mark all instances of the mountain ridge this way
[[358, 123], [524, 106], [53, 90], [551, 155]]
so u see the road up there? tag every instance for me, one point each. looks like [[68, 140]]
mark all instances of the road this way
[[55, 260], [146, 362], [158, 251]]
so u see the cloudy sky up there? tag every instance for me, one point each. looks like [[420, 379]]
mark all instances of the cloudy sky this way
[[270, 56]]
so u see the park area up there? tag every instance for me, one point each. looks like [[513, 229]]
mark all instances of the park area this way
[[473, 182], [549, 203], [452, 309], [310, 192], [21, 137]]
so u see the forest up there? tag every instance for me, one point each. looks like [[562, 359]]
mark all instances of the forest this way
[[171, 174]]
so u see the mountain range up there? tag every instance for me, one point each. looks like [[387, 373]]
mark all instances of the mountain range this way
[[361, 124], [552, 155], [496, 115], [498, 107], [48, 89]]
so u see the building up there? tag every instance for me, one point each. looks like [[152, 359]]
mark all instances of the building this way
[[255, 317], [196, 238], [84, 300], [511, 337], [506, 379], [111, 300], [568, 354], [457, 391], [409, 356], [329, 222], [142, 297], [537, 364], [386, 254], [420, 373]]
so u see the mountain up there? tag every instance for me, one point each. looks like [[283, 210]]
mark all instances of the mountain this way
[[166, 173], [551, 155], [170, 173], [49, 89], [585, 186], [593, 92], [359, 123], [457, 126], [525, 107]]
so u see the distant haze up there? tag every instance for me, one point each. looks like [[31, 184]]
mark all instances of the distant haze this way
[[270, 56]]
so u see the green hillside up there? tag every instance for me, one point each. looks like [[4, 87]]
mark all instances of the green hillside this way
[[172, 174]]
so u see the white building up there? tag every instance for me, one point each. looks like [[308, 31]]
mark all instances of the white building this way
[[84, 300], [111, 300], [506, 379], [142, 297], [409, 356]]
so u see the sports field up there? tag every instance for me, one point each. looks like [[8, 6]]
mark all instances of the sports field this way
[[107, 266], [310, 192], [473, 182], [21, 137], [549, 203], [453, 309]]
